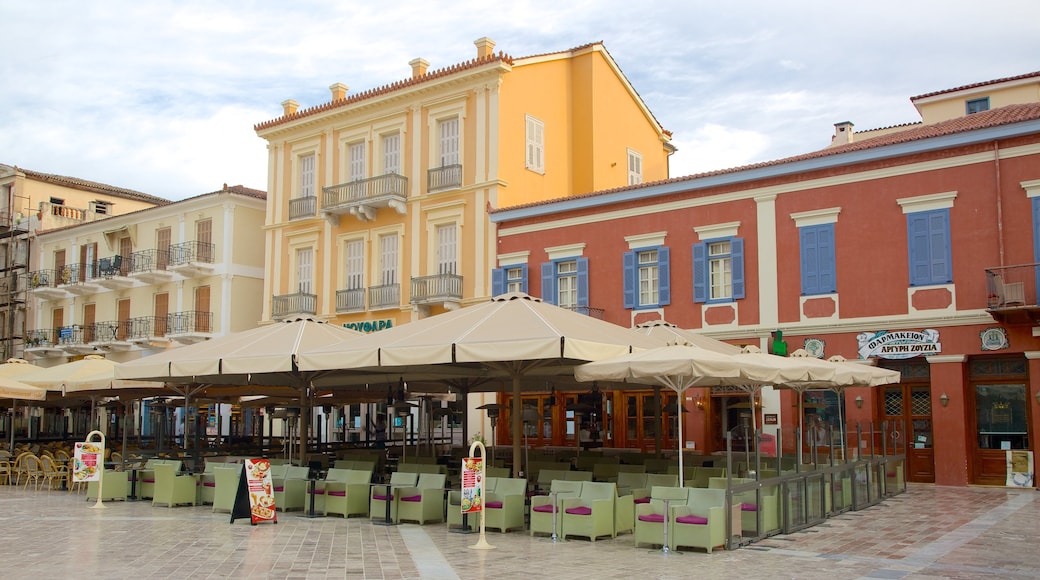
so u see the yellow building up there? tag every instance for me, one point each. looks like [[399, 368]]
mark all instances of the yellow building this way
[[31, 201], [377, 208]]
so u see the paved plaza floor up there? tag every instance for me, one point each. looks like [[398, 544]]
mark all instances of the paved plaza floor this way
[[929, 532]]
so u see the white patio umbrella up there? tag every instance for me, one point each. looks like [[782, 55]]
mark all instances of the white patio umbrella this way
[[266, 355], [14, 389], [509, 337], [672, 334], [680, 367], [14, 368]]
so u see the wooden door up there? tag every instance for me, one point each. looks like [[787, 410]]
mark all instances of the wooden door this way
[[202, 310], [57, 321], [161, 312], [126, 248], [87, 261], [123, 318], [204, 239], [641, 421], [162, 246], [907, 409], [88, 323]]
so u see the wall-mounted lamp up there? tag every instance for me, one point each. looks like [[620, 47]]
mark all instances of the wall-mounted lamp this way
[[698, 401], [859, 402], [944, 399]]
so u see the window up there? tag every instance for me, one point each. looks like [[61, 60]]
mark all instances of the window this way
[[817, 259], [976, 106], [565, 282], [646, 272], [388, 259], [392, 153], [356, 157], [102, 207], [447, 252], [307, 175], [635, 168], [535, 145], [718, 270], [928, 238], [449, 141], [304, 270], [509, 279], [354, 251]]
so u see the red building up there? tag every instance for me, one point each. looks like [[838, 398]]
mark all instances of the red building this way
[[913, 247]]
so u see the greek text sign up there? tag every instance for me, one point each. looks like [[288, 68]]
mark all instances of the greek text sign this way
[[899, 344]]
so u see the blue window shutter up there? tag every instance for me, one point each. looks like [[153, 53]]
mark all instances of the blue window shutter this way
[[629, 274], [939, 246], [917, 248], [826, 264], [664, 288], [583, 281], [498, 281], [737, 252], [548, 283], [700, 272], [810, 271], [523, 278]]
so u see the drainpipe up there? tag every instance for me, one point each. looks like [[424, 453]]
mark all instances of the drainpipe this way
[[1000, 205]]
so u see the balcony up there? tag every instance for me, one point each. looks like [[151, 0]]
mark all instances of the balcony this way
[[1011, 294], [447, 177], [151, 266], [296, 304], [352, 300], [79, 279], [43, 343], [361, 198], [149, 331], [44, 286], [190, 326], [114, 273], [73, 340], [445, 289], [192, 259], [385, 296], [303, 207], [112, 335]]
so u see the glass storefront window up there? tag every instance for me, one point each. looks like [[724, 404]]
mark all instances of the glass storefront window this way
[[1000, 415]]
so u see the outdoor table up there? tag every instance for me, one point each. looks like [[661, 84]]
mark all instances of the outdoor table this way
[[312, 481], [389, 493], [133, 483]]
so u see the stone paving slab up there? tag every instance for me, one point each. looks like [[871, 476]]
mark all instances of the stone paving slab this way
[[929, 532]]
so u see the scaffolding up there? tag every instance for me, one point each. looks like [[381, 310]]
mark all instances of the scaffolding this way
[[15, 242]]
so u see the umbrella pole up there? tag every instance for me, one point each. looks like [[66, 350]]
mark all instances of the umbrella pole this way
[[680, 403], [515, 424], [659, 413]]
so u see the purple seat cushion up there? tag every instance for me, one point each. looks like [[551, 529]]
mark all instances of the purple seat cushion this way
[[338, 493], [276, 488], [380, 497], [641, 500], [656, 518], [146, 480], [579, 511], [495, 505], [545, 508], [691, 520], [748, 507], [212, 484], [411, 498], [317, 491]]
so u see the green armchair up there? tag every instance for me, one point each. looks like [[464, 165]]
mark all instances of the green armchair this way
[[349, 497], [290, 487], [455, 505], [543, 512], [113, 486], [700, 522], [226, 488], [504, 507], [173, 489], [380, 495], [424, 502], [591, 514], [650, 516]]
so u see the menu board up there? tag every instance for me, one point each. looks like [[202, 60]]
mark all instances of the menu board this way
[[261, 492], [88, 461], [472, 484]]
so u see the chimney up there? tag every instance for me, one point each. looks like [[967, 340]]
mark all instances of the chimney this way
[[339, 91], [419, 67], [289, 107], [842, 133], [485, 47]]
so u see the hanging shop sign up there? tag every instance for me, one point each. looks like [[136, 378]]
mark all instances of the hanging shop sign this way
[[899, 344], [994, 339], [814, 346]]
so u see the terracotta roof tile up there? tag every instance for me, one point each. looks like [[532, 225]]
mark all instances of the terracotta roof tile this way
[[77, 183], [395, 86], [984, 120], [976, 85]]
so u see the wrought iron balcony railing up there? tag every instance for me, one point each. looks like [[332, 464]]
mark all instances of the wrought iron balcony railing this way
[[1011, 293], [192, 251], [587, 311], [190, 322]]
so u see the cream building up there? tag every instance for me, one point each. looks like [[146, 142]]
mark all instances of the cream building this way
[[132, 284], [378, 200], [31, 201]]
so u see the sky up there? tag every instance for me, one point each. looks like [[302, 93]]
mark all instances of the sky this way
[[162, 96]]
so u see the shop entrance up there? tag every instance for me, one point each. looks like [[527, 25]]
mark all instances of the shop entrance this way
[[907, 409], [1000, 398]]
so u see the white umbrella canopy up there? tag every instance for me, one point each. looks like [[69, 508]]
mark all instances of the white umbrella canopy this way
[[672, 334], [510, 336], [680, 367], [91, 373], [13, 389], [17, 367]]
